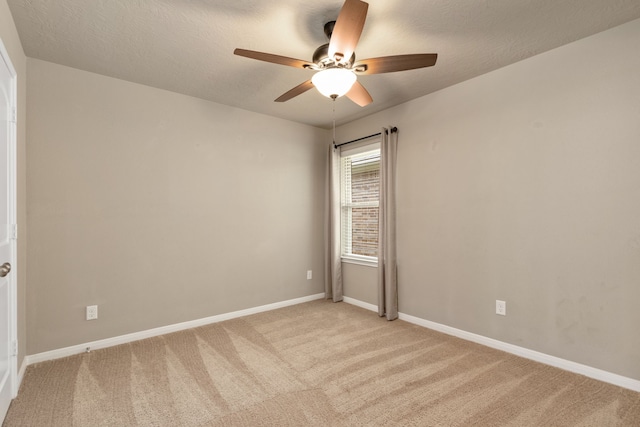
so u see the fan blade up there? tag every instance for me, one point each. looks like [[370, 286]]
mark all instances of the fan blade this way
[[301, 88], [359, 95], [347, 30], [275, 59], [389, 64]]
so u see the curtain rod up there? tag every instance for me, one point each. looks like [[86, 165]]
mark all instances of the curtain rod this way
[[393, 129]]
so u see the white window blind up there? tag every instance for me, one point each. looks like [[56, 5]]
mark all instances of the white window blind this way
[[360, 189]]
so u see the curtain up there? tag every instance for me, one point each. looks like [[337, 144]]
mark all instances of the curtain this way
[[333, 263], [387, 270]]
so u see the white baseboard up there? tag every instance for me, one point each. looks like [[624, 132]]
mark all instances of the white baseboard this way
[[557, 362], [21, 371], [361, 304], [123, 339]]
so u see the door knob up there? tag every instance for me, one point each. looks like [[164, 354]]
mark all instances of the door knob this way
[[5, 269]]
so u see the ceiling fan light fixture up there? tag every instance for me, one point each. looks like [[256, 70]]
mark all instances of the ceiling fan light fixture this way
[[333, 82]]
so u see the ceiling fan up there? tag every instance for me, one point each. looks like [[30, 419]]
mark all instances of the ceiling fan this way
[[335, 62]]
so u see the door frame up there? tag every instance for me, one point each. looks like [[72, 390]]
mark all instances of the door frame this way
[[13, 220]]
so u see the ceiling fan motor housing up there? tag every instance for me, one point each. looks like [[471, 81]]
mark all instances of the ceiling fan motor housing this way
[[322, 59]]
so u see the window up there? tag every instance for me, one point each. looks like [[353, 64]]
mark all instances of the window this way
[[359, 200]]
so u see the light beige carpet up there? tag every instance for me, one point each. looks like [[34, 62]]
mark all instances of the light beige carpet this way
[[317, 363]]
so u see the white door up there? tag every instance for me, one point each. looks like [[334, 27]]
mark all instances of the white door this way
[[7, 231]]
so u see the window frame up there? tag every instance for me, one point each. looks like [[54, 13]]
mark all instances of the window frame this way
[[357, 148]]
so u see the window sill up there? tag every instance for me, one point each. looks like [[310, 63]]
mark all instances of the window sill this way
[[360, 260]]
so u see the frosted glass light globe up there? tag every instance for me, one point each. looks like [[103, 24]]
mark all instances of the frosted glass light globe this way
[[333, 82]]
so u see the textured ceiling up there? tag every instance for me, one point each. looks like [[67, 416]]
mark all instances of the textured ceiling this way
[[186, 46]]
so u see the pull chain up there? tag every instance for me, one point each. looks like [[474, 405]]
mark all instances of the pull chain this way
[[334, 121]]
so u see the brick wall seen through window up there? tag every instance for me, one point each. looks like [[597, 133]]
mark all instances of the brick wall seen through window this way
[[360, 196], [365, 186]]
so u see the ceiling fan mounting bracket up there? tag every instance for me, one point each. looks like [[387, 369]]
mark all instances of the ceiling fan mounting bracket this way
[[328, 29]]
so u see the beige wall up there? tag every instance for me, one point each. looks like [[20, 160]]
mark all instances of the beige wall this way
[[11, 42], [524, 185], [161, 208], [359, 282]]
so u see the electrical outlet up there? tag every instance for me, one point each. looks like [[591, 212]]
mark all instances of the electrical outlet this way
[[501, 307], [309, 274], [92, 312]]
